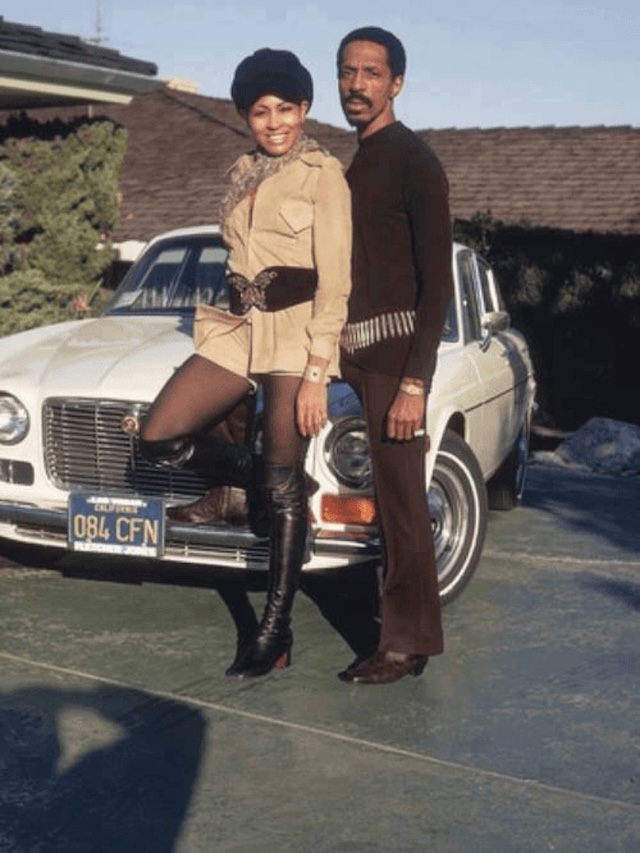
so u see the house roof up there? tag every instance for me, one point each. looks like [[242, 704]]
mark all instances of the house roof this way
[[180, 146], [20, 38], [574, 178], [40, 68]]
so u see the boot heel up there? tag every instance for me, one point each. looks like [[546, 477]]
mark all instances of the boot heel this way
[[418, 666], [283, 661], [258, 659]]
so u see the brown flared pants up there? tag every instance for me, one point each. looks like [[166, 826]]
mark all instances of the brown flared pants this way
[[410, 604]]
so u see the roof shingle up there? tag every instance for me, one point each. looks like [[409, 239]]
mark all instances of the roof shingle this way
[[574, 178]]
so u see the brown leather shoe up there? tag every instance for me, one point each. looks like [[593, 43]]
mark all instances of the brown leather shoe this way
[[384, 668], [221, 503]]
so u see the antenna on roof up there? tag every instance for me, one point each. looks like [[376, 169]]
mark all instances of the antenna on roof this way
[[98, 38]]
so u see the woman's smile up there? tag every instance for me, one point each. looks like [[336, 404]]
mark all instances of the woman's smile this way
[[276, 124]]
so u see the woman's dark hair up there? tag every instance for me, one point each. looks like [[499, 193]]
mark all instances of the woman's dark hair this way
[[271, 72]]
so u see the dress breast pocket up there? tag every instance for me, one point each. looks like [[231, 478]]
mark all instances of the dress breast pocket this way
[[297, 215]]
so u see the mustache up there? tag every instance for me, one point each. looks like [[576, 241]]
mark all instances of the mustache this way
[[355, 98]]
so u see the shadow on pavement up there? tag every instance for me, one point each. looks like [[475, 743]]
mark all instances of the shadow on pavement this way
[[347, 599], [624, 591], [99, 769], [593, 504]]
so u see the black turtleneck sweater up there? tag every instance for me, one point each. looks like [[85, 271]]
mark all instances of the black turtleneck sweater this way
[[401, 266]]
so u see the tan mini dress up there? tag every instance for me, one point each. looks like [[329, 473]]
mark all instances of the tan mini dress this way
[[299, 217]]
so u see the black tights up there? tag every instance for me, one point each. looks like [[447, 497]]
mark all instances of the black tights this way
[[201, 392]]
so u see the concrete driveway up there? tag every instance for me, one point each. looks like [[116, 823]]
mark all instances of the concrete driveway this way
[[120, 732]]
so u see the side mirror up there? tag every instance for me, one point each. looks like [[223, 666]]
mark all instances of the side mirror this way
[[492, 322]]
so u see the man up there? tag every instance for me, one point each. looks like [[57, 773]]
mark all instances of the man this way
[[402, 286]]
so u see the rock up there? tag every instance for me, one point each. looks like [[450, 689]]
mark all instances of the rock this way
[[604, 446]]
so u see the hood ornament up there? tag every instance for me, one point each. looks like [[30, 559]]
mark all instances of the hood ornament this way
[[130, 423]]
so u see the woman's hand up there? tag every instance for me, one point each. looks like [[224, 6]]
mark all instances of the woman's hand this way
[[311, 407]]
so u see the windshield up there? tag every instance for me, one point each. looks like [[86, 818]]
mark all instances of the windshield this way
[[178, 273], [174, 275]]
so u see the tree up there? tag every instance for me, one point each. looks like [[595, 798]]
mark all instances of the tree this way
[[8, 216], [28, 300], [58, 206]]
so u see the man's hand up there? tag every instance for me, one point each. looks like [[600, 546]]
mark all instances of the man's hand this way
[[406, 419]]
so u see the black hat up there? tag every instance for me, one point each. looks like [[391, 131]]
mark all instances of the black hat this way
[[271, 72], [395, 48]]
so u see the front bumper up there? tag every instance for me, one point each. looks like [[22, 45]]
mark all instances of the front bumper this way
[[219, 545]]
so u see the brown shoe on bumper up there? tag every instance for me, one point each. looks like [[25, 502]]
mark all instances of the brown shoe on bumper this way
[[220, 503], [384, 668]]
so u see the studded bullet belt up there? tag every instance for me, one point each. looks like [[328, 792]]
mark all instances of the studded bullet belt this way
[[381, 327]]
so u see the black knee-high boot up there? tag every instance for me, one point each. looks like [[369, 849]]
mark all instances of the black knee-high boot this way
[[287, 502], [220, 462]]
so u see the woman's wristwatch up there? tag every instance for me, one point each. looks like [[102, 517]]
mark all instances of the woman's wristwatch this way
[[314, 373]]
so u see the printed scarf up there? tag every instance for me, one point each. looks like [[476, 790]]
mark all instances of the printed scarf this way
[[263, 167]]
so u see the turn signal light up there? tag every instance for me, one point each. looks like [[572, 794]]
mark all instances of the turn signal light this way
[[347, 509]]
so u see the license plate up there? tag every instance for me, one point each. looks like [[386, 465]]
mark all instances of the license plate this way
[[133, 526]]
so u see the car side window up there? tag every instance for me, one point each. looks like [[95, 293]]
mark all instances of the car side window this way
[[450, 328], [489, 293], [469, 297]]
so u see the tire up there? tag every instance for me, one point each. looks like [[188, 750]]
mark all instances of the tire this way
[[506, 486], [459, 510]]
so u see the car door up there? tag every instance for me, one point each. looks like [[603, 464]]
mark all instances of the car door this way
[[494, 350], [489, 412]]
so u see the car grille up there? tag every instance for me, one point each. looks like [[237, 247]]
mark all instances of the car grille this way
[[86, 449]]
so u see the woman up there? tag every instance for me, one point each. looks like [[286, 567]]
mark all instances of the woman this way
[[287, 224]]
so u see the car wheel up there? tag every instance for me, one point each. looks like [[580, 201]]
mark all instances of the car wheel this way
[[458, 505], [506, 486]]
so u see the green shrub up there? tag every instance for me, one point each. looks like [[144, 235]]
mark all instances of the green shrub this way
[[8, 216], [28, 299], [58, 207], [65, 195]]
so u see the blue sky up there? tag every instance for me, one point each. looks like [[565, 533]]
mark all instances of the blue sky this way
[[486, 63]]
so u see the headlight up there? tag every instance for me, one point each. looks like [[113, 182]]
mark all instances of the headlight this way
[[14, 420], [346, 452]]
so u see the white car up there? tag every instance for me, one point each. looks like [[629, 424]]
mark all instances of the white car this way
[[71, 476]]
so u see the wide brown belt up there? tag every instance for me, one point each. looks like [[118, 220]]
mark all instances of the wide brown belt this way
[[272, 289]]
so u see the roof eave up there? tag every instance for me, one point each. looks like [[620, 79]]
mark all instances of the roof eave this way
[[32, 81]]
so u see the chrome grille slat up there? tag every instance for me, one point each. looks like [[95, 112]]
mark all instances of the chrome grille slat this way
[[86, 449]]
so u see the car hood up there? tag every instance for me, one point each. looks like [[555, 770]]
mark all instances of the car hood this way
[[109, 357]]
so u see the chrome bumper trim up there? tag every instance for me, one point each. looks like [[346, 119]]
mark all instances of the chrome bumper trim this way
[[49, 526]]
